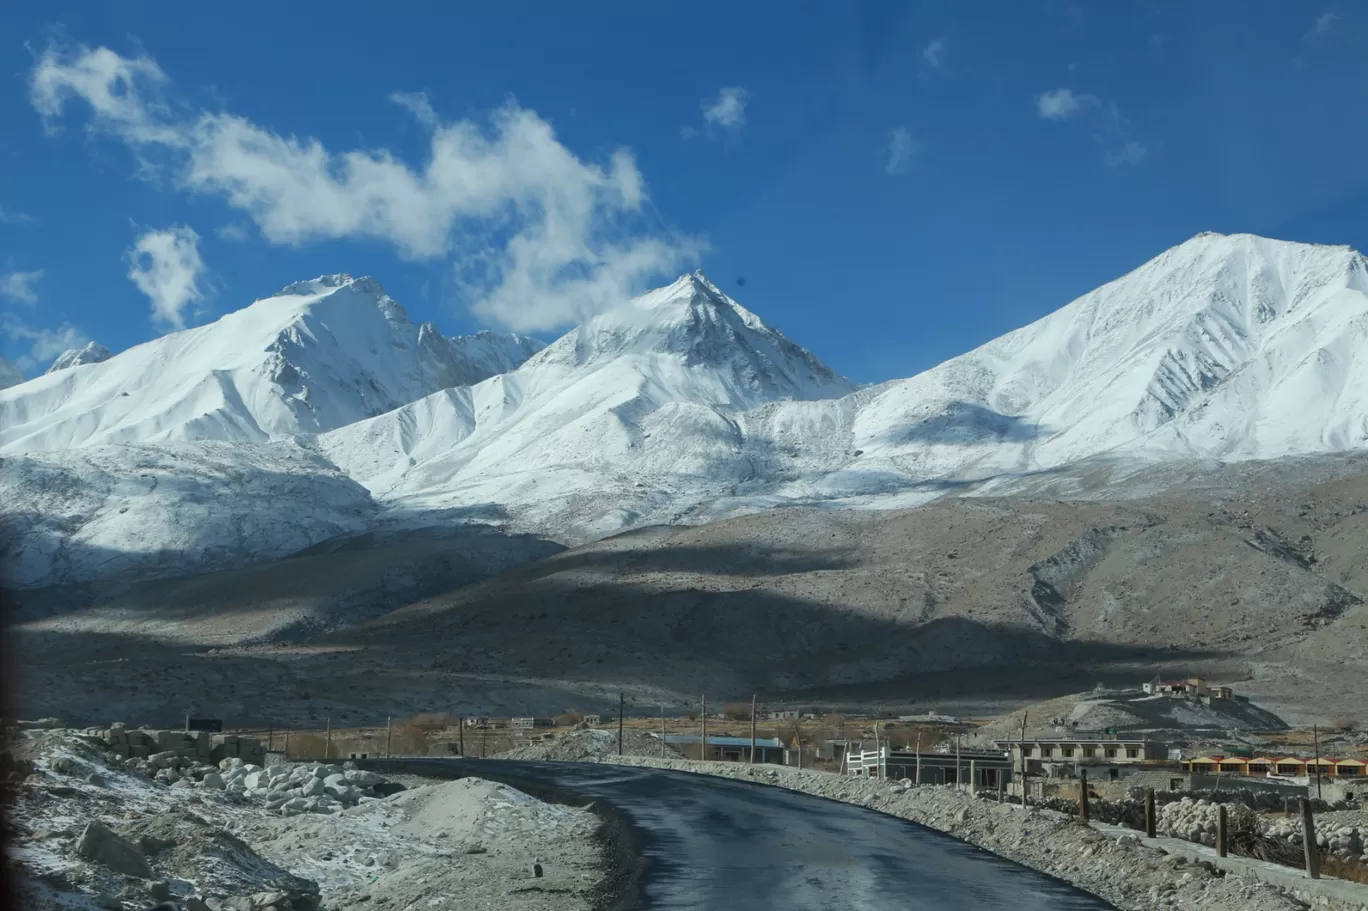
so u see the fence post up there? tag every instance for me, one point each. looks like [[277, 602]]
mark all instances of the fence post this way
[[1083, 794], [622, 703], [287, 743], [1222, 832], [703, 740], [327, 749], [460, 737], [389, 729], [1022, 744], [1150, 822], [752, 752], [1309, 846]]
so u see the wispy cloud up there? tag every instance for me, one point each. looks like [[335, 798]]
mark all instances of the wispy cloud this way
[[166, 266], [1324, 25], [18, 286], [901, 148], [937, 53], [43, 344], [728, 111], [538, 237], [1061, 104], [13, 217], [1113, 132], [417, 104], [235, 231]]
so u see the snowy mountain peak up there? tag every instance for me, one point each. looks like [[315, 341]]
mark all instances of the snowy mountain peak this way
[[325, 283], [321, 354], [693, 323], [91, 353]]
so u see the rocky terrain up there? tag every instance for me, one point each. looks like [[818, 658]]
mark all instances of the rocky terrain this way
[[1117, 868], [592, 746], [94, 832], [1254, 577]]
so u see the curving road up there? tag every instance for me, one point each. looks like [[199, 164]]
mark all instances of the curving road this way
[[711, 843]]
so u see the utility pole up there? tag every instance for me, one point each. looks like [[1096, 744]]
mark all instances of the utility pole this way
[[703, 742], [389, 733], [460, 737], [959, 768], [1315, 734], [752, 753], [919, 736], [327, 750], [1022, 744], [662, 730], [622, 702]]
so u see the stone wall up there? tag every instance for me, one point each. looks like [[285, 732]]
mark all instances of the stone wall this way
[[200, 746]]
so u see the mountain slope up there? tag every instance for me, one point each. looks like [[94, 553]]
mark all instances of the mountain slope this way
[[628, 418], [91, 353], [319, 355], [9, 374], [676, 408]]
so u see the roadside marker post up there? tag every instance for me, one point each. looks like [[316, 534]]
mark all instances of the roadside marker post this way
[[1083, 795], [1309, 846]]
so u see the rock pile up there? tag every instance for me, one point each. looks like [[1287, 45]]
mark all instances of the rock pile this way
[[1195, 820], [305, 788], [137, 743], [1341, 841]]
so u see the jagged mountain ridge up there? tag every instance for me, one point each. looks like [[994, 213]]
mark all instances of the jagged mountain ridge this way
[[319, 355], [681, 406], [1204, 352], [90, 353]]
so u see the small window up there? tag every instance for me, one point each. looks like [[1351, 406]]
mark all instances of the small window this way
[[1132, 752], [1068, 751], [1089, 752], [1111, 752]]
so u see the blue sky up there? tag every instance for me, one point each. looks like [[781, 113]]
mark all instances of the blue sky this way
[[895, 183]]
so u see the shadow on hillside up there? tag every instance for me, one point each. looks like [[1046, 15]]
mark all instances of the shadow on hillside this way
[[965, 424]]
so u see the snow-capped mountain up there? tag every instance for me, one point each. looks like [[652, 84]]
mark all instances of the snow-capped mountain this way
[[9, 374], [90, 353], [669, 409], [319, 355], [682, 406], [632, 413]]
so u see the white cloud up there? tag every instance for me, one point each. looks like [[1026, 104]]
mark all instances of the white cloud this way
[[936, 53], [1324, 25], [166, 266], [1130, 152], [1061, 104], [236, 231], [18, 286], [529, 221], [728, 111], [901, 148], [12, 217], [417, 104], [44, 344]]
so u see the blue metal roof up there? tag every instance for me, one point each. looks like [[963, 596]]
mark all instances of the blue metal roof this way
[[720, 741]]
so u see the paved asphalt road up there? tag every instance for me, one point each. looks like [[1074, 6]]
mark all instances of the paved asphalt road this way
[[712, 843]]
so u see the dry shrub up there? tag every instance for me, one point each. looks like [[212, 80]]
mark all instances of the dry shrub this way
[[431, 721], [408, 739], [1340, 868], [303, 747]]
